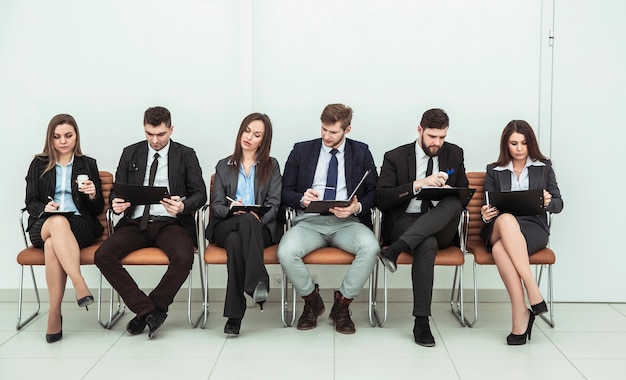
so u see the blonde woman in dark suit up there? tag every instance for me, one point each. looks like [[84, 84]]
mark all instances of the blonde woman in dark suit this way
[[520, 166], [247, 177], [51, 185]]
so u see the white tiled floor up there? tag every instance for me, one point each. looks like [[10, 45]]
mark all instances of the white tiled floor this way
[[587, 343]]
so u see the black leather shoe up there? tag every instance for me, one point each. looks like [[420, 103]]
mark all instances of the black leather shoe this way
[[518, 340], [51, 338], [540, 308], [85, 301], [232, 327], [260, 294], [136, 325], [421, 332], [388, 261], [155, 320]]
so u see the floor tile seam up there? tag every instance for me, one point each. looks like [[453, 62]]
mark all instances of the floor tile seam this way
[[569, 360], [99, 359]]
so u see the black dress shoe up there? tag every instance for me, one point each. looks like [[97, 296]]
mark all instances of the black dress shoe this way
[[387, 261], [155, 320], [136, 325], [51, 338], [539, 308], [520, 339], [260, 294], [232, 327], [85, 301], [421, 332]]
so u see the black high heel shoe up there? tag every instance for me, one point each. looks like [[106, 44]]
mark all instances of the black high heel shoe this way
[[518, 340], [232, 327], [51, 338], [539, 308], [85, 301], [260, 294]]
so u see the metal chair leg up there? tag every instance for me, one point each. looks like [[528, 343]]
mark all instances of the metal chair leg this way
[[114, 316], [20, 299], [456, 303], [205, 304], [288, 316], [196, 322]]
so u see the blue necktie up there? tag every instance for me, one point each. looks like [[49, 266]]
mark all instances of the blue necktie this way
[[331, 178]]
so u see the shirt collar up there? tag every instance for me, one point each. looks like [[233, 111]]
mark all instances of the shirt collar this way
[[340, 148], [69, 163], [529, 162], [162, 153]]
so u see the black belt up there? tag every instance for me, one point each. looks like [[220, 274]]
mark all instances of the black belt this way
[[157, 218]]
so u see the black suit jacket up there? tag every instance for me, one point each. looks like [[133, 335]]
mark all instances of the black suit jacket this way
[[395, 185], [539, 177], [39, 187], [300, 170], [184, 176]]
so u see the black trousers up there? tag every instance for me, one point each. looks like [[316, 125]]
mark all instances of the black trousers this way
[[244, 237], [171, 237], [425, 234]]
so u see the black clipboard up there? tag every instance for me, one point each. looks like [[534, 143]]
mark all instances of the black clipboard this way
[[518, 203], [322, 207], [257, 209], [140, 195], [465, 194]]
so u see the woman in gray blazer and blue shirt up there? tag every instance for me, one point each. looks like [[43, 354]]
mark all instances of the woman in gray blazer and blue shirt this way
[[520, 166], [247, 177]]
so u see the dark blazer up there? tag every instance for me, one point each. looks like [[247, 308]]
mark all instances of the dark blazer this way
[[300, 170], [184, 176], [225, 184], [395, 186], [39, 187], [539, 177]]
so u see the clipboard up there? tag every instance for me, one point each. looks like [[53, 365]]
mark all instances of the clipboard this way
[[438, 193], [518, 203], [140, 195], [322, 207], [257, 209]]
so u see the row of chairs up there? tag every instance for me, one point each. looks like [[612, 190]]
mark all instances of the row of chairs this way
[[469, 227]]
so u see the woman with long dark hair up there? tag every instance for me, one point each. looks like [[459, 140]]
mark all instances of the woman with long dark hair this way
[[247, 177], [520, 166]]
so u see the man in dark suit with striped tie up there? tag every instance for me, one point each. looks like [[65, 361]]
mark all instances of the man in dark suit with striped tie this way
[[169, 225], [329, 167]]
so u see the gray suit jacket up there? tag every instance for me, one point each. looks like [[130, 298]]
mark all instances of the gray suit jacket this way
[[225, 184]]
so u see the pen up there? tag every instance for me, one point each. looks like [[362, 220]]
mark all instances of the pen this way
[[50, 198], [181, 199], [230, 199]]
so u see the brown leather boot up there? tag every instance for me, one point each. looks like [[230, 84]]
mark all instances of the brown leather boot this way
[[340, 314], [313, 308]]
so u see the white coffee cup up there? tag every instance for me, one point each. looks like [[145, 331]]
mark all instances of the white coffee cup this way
[[81, 179]]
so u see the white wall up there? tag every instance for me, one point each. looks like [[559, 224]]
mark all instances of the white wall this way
[[212, 62]]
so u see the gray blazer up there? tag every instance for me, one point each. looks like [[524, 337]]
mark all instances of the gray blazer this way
[[225, 184]]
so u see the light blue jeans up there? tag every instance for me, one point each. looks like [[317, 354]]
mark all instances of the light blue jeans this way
[[316, 231]]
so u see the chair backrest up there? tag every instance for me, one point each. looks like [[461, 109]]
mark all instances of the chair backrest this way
[[107, 185], [476, 181]]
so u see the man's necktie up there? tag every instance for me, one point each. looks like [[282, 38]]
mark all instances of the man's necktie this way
[[429, 170], [331, 179], [143, 224]]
